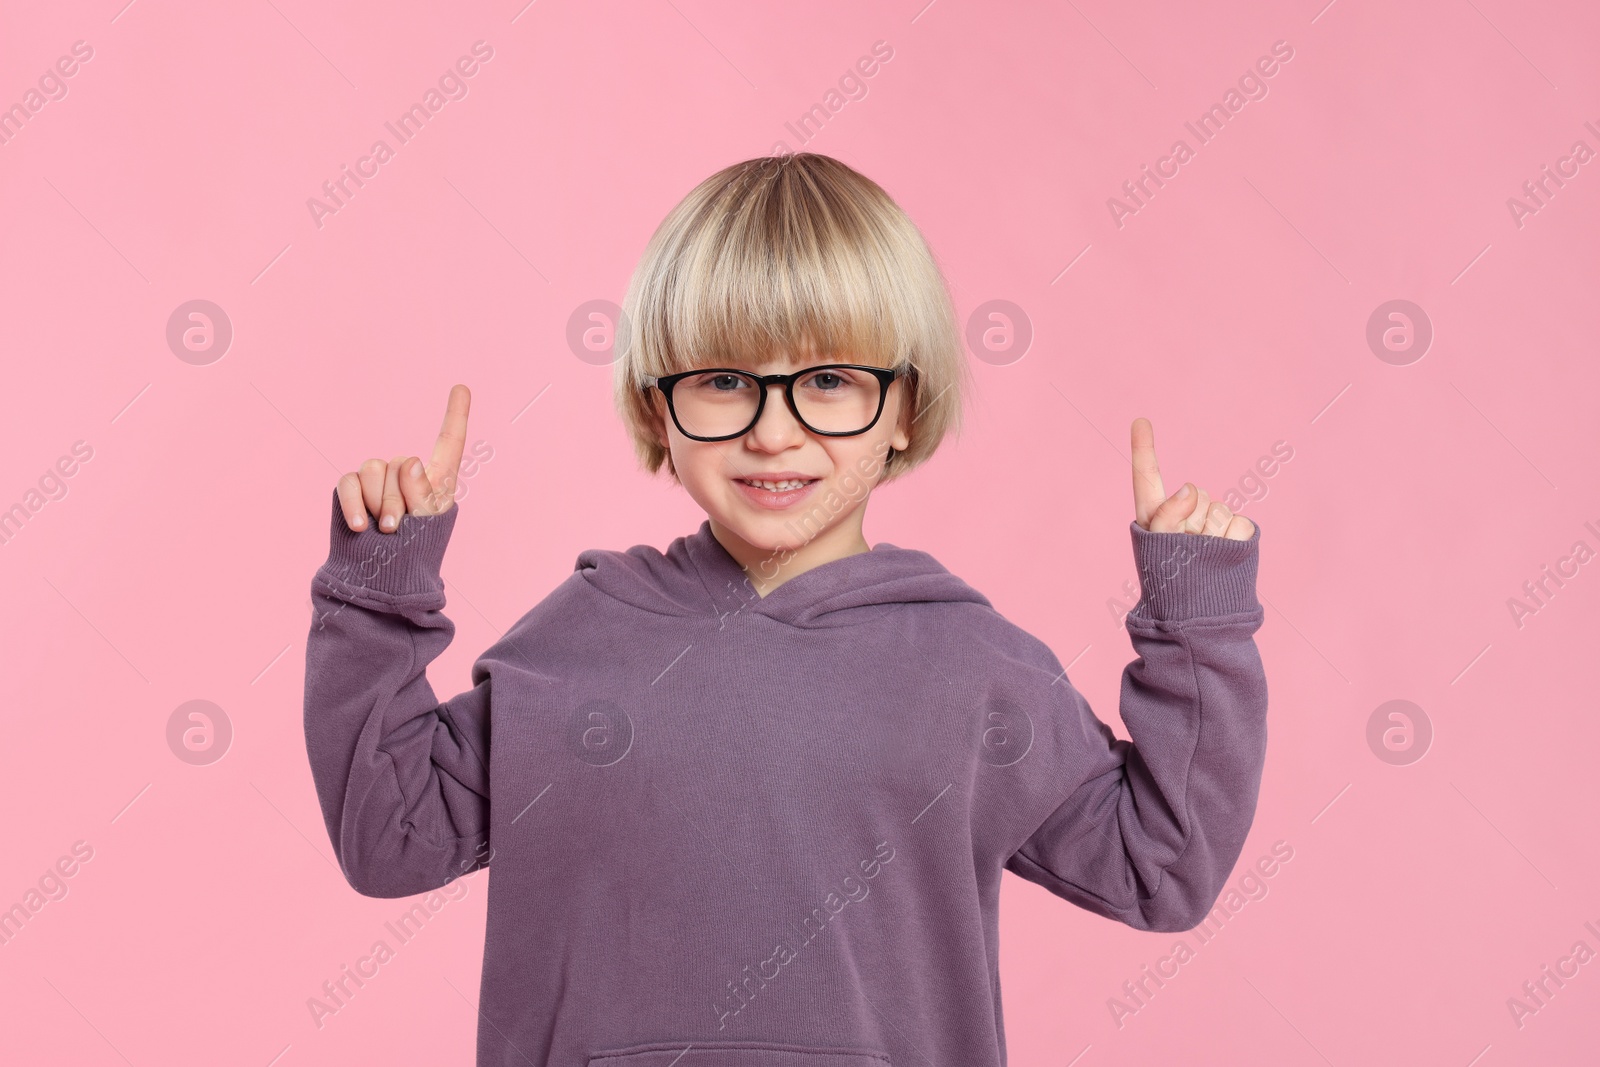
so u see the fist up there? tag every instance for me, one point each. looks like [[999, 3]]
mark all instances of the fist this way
[[1189, 510], [407, 485]]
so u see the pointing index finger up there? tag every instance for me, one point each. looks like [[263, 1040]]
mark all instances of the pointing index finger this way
[[1147, 491], [452, 441]]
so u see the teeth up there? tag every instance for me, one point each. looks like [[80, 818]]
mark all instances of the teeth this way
[[777, 487]]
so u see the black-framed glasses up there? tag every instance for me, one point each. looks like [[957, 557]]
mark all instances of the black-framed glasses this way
[[721, 403]]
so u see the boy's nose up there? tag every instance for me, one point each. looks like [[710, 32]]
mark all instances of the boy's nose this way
[[777, 428]]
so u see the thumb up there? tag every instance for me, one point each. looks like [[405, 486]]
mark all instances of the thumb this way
[[420, 497]]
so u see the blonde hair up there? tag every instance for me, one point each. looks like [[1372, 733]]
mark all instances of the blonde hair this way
[[796, 256]]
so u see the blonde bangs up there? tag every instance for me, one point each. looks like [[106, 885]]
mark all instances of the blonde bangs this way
[[797, 259]]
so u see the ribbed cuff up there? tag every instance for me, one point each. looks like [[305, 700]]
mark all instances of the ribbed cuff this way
[[1187, 576], [403, 563]]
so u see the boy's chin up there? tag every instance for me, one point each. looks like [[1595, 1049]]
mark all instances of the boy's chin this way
[[766, 534]]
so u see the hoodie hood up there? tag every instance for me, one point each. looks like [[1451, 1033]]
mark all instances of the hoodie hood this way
[[697, 576]]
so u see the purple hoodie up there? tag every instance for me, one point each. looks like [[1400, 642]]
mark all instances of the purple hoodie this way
[[768, 832]]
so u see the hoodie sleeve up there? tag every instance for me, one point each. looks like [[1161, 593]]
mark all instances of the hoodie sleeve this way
[[403, 779], [1151, 828]]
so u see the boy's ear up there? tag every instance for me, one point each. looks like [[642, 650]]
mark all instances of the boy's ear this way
[[902, 427], [658, 419]]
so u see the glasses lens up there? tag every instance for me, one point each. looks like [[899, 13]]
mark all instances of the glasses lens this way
[[837, 399], [723, 403], [715, 404]]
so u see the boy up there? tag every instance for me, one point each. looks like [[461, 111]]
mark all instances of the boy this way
[[747, 802]]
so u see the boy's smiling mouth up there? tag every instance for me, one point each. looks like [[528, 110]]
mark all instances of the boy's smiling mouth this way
[[780, 489]]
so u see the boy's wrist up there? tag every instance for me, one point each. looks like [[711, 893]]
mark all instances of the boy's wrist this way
[[1186, 576], [403, 563]]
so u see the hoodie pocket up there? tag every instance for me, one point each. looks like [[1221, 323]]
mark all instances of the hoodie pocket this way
[[735, 1054]]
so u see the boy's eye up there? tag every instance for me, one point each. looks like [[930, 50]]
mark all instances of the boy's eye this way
[[832, 383], [717, 383]]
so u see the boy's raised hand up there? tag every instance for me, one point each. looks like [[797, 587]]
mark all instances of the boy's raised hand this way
[[404, 484], [1189, 510]]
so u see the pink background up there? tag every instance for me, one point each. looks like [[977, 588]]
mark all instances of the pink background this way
[[1231, 310]]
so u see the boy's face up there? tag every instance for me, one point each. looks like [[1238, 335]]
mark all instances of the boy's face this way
[[840, 472]]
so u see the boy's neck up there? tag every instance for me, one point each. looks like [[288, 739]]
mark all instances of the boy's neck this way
[[767, 569]]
